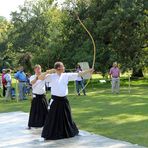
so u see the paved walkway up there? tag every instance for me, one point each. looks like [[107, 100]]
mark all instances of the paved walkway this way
[[13, 134]]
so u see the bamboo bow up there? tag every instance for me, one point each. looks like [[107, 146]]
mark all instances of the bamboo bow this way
[[93, 42]]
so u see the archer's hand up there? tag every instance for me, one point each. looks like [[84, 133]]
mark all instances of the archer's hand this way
[[91, 70], [41, 77]]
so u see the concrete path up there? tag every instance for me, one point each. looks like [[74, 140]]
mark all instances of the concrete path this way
[[13, 134]]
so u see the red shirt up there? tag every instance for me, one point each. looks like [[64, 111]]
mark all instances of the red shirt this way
[[4, 82]]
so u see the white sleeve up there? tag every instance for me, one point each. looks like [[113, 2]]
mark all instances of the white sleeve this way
[[48, 78], [32, 78], [72, 76], [7, 77]]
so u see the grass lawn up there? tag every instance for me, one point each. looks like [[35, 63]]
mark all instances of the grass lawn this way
[[123, 116]]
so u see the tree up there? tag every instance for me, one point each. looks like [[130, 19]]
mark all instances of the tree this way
[[4, 29], [49, 34], [119, 29], [36, 30], [25, 61]]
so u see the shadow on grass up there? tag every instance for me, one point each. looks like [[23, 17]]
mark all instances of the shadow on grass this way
[[123, 116]]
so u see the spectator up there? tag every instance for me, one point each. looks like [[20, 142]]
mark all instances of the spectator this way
[[4, 82], [79, 81], [7, 77], [115, 76], [21, 77]]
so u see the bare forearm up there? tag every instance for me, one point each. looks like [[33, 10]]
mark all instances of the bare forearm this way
[[34, 81], [50, 71], [43, 75], [47, 72]]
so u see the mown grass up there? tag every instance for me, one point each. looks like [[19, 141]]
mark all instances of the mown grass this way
[[123, 116]]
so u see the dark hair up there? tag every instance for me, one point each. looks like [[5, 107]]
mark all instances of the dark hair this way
[[78, 66], [57, 65], [8, 70]]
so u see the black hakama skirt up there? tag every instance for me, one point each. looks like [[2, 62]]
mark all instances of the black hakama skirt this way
[[59, 123], [38, 111]]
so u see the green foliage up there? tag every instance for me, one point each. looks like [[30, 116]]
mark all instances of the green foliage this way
[[118, 27], [50, 34], [25, 61], [37, 29], [4, 30]]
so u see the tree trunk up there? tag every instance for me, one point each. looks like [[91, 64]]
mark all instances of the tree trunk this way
[[137, 73]]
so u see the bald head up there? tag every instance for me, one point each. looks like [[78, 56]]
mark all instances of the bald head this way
[[115, 64]]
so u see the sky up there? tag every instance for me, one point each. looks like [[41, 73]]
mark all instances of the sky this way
[[6, 6]]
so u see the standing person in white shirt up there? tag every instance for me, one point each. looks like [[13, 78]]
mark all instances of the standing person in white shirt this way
[[7, 77], [79, 81], [39, 105], [59, 123]]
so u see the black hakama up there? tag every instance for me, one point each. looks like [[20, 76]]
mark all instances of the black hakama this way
[[59, 123], [38, 111]]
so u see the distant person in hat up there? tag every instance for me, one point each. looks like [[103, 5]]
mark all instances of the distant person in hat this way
[[115, 77]]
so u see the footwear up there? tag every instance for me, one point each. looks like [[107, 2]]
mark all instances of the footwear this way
[[28, 128]]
